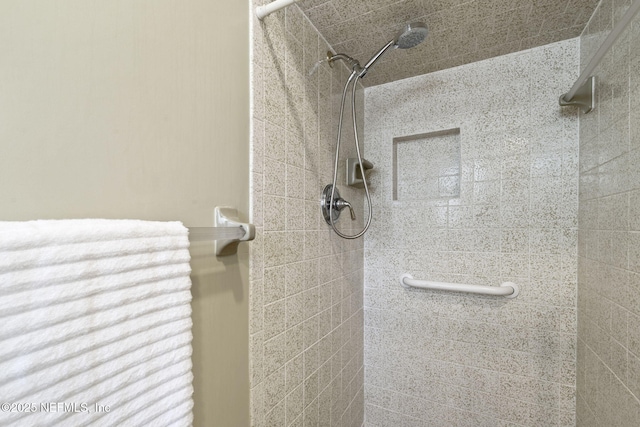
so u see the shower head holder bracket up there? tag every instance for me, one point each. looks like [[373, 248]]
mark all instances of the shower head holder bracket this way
[[355, 175]]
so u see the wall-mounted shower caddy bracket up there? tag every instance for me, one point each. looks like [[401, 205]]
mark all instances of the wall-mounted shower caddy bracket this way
[[228, 217]]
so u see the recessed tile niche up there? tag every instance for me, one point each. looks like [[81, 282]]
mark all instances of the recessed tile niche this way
[[427, 166]]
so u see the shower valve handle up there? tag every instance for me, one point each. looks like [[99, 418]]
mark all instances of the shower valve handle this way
[[341, 204], [331, 211]]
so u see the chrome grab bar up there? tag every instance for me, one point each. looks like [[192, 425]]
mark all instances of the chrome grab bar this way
[[507, 289]]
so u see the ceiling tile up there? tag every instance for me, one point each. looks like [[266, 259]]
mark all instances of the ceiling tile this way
[[460, 31]]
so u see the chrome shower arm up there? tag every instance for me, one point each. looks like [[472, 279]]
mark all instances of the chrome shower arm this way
[[375, 58], [353, 63]]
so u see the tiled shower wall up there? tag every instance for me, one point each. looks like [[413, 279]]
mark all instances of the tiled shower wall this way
[[608, 365], [306, 317], [445, 359]]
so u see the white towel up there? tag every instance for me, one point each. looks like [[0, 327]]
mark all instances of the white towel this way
[[95, 323]]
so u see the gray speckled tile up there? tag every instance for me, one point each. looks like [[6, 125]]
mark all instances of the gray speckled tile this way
[[506, 224]]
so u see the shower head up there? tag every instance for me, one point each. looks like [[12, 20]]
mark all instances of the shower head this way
[[410, 36]]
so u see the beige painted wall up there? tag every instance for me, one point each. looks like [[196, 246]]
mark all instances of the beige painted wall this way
[[126, 109]]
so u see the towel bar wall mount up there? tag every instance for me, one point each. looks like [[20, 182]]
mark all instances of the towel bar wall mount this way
[[226, 233], [228, 217]]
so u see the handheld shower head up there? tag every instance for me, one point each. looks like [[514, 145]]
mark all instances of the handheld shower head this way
[[410, 36]]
